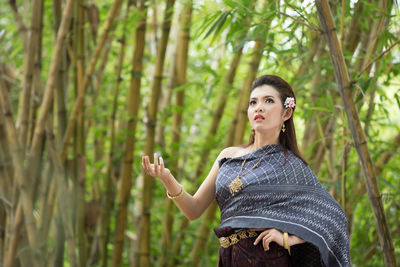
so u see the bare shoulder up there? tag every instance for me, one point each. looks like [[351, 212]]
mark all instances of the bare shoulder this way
[[231, 152]]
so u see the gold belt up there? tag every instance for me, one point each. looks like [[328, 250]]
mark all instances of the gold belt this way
[[227, 241]]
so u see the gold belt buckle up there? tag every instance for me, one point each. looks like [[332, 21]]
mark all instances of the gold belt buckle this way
[[234, 238], [224, 241]]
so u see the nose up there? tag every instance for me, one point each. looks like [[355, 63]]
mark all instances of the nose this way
[[259, 108]]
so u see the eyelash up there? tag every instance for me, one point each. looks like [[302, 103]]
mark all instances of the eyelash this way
[[266, 100]]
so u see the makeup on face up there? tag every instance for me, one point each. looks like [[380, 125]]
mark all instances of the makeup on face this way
[[264, 106]]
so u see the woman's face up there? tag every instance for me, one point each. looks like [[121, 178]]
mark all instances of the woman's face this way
[[266, 112]]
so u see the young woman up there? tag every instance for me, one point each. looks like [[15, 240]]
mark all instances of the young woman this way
[[274, 211]]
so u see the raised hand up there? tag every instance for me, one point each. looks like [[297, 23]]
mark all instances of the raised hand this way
[[156, 169]]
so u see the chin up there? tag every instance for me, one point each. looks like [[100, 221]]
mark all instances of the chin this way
[[265, 130]]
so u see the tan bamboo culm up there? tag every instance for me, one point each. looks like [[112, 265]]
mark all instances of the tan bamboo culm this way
[[344, 84]]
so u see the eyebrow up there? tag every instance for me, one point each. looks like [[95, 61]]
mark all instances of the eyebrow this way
[[263, 97]]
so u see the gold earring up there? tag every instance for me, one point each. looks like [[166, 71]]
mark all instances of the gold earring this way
[[283, 127]]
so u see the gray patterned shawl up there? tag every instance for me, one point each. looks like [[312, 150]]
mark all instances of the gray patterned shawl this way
[[287, 197]]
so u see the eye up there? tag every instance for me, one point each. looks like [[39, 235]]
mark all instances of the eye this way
[[269, 100], [252, 102]]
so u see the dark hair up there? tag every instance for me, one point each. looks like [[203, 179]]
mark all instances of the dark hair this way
[[287, 139]]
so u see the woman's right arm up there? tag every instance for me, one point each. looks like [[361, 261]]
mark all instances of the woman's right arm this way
[[191, 206]]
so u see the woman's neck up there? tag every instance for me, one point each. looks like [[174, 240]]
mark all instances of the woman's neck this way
[[261, 140]]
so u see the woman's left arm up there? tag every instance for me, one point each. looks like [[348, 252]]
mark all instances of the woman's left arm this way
[[294, 240]]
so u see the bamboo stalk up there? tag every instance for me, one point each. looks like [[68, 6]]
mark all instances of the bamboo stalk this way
[[37, 87], [342, 22], [24, 256], [79, 101], [181, 68], [58, 254], [250, 77], [344, 85], [374, 248], [216, 118], [369, 64], [17, 158], [343, 174], [60, 121], [132, 107], [60, 111], [79, 176], [160, 140], [205, 152], [7, 226], [47, 204], [6, 172], [380, 164], [350, 44], [203, 234], [155, 95], [315, 47], [166, 99], [96, 90], [154, 27], [110, 191], [3, 222], [22, 29], [99, 142], [204, 228], [63, 197], [48, 93], [354, 34], [374, 34], [26, 101], [310, 132], [9, 259], [210, 214]]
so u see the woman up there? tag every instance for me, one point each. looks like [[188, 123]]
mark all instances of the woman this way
[[272, 205]]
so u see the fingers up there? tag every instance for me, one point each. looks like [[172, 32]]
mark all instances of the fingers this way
[[156, 167], [145, 163], [147, 166], [266, 240], [153, 169], [161, 164], [260, 237], [267, 237]]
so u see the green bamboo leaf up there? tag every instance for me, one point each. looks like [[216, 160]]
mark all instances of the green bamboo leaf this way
[[207, 21], [231, 4], [221, 28], [396, 96], [218, 24]]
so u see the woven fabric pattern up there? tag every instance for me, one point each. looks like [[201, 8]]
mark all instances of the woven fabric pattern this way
[[283, 193]]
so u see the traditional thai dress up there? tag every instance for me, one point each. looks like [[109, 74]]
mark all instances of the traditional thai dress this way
[[283, 193]]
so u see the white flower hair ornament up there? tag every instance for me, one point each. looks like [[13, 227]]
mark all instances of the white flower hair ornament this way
[[289, 103]]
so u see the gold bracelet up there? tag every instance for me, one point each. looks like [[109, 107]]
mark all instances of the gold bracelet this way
[[178, 196], [286, 241]]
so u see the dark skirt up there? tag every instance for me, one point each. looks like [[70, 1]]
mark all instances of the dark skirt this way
[[244, 253]]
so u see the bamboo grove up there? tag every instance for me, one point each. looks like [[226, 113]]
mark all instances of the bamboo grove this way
[[88, 87]]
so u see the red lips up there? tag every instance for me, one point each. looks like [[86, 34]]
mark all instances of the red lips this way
[[259, 116]]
